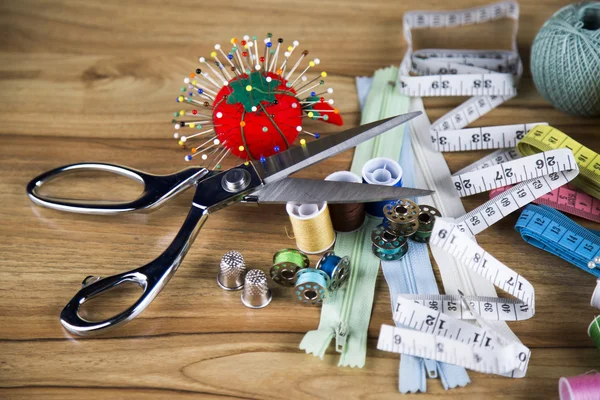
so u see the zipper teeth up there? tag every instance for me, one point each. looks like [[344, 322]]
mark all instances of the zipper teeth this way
[[357, 249], [346, 301]]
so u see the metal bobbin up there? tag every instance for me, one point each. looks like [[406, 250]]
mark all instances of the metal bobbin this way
[[339, 272], [312, 286], [426, 218], [387, 246], [400, 218], [284, 272]]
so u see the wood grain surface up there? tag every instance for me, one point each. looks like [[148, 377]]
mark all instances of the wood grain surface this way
[[83, 81]]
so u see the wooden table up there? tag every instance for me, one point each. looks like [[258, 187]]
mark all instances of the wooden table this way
[[83, 81]]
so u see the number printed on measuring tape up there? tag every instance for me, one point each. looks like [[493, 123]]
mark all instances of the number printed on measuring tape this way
[[452, 240], [484, 138], [490, 308], [495, 158], [567, 199], [444, 61], [468, 112], [508, 359]]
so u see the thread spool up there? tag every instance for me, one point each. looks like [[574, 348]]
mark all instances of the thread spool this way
[[426, 219], [381, 171], [387, 246], [346, 217], [595, 301], [312, 226], [594, 331], [337, 268], [312, 286], [582, 387], [401, 217], [565, 59], [286, 263]]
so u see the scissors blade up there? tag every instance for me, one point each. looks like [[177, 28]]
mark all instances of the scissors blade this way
[[283, 164], [316, 191]]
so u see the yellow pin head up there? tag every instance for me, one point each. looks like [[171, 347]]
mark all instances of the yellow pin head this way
[[312, 64], [213, 54], [323, 74]]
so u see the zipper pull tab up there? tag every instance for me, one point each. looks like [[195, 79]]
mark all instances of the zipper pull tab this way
[[341, 334], [431, 368]]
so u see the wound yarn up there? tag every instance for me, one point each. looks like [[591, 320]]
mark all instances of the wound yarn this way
[[565, 59]]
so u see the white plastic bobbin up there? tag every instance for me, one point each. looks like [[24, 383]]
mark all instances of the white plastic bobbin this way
[[595, 302], [382, 171], [343, 176]]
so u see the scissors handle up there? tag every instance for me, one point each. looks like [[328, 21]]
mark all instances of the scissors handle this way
[[158, 189], [151, 278]]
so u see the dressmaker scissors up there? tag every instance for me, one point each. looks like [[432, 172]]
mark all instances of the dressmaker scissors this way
[[254, 181]]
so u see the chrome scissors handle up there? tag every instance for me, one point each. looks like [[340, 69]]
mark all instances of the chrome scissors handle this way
[[213, 192], [152, 277], [158, 189]]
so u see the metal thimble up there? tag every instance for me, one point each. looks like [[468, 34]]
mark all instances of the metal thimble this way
[[256, 293], [232, 271]]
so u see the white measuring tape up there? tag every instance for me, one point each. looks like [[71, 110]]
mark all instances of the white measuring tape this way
[[484, 138], [491, 76], [491, 308], [495, 158], [541, 175], [439, 336]]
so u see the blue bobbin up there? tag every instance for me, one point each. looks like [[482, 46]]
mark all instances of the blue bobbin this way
[[337, 268]]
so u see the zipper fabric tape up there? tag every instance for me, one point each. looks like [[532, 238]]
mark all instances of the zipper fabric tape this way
[[549, 230], [544, 138]]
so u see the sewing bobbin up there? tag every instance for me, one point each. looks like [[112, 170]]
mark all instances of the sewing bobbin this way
[[426, 219], [312, 286], [400, 218], [286, 263], [337, 268], [387, 246]]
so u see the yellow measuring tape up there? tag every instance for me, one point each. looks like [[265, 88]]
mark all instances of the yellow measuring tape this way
[[543, 138]]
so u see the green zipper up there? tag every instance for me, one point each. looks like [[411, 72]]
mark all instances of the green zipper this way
[[346, 314]]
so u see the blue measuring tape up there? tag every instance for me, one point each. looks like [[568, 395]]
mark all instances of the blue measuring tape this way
[[550, 230]]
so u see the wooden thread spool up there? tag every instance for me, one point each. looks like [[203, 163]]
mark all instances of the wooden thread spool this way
[[312, 226]]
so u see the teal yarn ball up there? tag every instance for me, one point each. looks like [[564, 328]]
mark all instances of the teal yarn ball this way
[[565, 59]]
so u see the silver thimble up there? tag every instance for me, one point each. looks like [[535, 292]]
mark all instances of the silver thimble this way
[[232, 271], [256, 293]]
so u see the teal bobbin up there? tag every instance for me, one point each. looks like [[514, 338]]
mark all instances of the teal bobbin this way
[[337, 268], [312, 286], [386, 246], [426, 218]]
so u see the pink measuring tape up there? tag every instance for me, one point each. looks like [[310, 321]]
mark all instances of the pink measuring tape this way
[[567, 199]]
